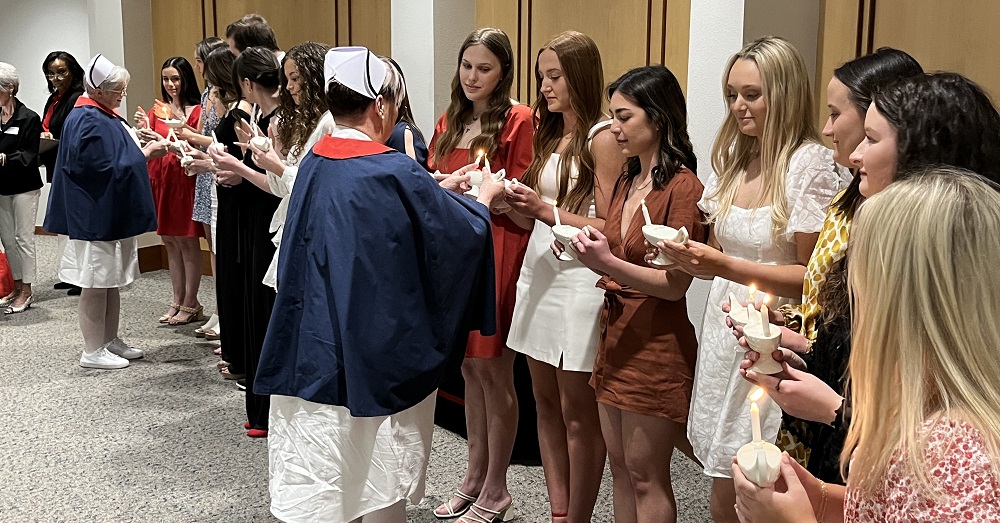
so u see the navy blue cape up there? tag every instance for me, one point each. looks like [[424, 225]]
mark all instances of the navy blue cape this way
[[100, 187], [381, 276]]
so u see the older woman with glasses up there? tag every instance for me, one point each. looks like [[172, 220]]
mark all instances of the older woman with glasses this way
[[101, 198], [20, 131]]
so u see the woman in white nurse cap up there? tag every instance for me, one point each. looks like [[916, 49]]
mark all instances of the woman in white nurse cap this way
[[101, 199]]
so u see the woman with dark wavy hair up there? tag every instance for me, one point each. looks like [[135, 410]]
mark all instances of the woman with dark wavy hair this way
[[644, 370], [482, 117], [173, 191], [302, 119]]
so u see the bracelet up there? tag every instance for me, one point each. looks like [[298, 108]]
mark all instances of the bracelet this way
[[822, 503]]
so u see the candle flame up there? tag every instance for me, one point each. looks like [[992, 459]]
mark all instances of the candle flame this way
[[757, 394], [767, 298], [753, 289]]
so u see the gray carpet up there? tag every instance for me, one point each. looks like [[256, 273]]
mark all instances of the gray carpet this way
[[163, 441]]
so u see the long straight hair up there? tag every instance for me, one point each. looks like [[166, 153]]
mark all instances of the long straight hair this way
[[790, 121], [460, 108], [580, 62], [924, 324], [188, 94], [72, 66]]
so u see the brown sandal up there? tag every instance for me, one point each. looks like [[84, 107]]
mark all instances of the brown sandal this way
[[166, 317], [194, 314]]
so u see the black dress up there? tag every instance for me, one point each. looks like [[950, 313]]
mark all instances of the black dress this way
[[398, 142], [823, 443], [59, 114], [244, 252]]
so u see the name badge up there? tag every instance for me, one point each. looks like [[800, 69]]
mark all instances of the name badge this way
[[12, 130]]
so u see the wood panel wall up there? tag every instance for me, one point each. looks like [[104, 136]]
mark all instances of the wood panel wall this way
[[641, 32], [180, 24], [957, 36]]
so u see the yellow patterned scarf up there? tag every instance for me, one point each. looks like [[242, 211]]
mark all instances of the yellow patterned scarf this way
[[830, 248]]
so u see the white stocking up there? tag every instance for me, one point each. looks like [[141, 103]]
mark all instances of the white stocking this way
[[93, 313]]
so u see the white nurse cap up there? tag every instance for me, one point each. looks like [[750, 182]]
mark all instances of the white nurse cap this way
[[98, 70], [355, 68]]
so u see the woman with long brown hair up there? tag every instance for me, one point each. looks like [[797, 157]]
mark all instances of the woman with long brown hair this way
[[482, 116], [557, 312]]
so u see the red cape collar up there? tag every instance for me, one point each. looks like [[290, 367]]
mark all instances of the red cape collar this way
[[343, 148], [88, 101]]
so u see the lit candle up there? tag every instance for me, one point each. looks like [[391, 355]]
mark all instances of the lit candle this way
[[765, 324], [479, 156], [555, 212], [645, 212], [755, 413], [765, 321], [751, 291]]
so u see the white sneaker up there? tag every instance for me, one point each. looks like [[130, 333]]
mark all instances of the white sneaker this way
[[102, 358], [118, 348]]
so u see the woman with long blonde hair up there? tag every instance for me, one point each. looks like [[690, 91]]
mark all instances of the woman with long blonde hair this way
[[557, 312], [924, 441], [766, 200], [482, 117]]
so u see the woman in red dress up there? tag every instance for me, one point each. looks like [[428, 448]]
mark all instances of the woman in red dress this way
[[173, 190], [482, 116]]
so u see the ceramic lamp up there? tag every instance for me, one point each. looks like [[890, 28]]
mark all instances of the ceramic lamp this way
[[566, 233], [656, 233], [764, 344], [760, 462]]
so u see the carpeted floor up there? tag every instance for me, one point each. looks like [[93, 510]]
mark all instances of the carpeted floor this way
[[163, 441]]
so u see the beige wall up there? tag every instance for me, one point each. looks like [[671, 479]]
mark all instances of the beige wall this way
[[637, 33]]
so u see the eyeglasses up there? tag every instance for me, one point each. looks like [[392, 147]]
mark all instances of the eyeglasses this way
[[123, 91], [58, 77]]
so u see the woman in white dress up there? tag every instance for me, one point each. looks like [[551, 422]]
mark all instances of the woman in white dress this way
[[557, 312], [766, 201], [302, 120]]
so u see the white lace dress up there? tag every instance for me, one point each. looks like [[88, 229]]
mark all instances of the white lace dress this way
[[719, 422], [281, 186], [557, 312]]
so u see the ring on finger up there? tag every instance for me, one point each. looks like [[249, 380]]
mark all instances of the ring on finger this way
[[777, 386]]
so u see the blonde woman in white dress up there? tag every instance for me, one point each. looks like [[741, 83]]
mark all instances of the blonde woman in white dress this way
[[766, 200], [557, 313]]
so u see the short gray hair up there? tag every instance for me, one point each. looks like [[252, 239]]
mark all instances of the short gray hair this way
[[119, 77], [10, 81], [393, 87]]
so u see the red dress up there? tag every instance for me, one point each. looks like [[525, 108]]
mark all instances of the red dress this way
[[173, 189], [509, 239], [960, 468]]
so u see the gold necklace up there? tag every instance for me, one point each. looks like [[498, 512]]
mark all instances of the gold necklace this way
[[644, 184]]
